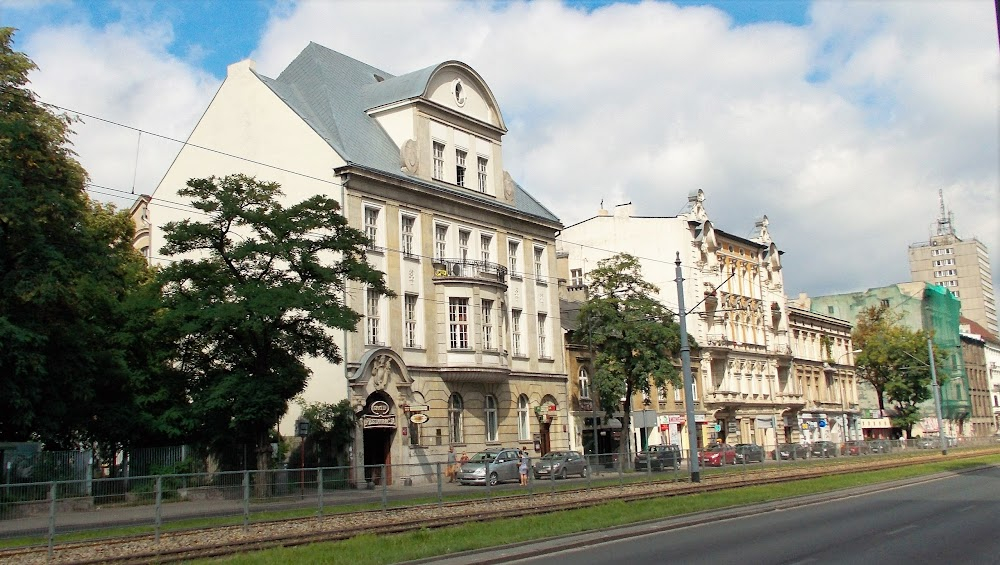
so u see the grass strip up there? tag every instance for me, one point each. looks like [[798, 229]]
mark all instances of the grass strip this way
[[370, 549]]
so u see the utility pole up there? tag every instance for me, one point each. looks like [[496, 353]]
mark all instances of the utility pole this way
[[937, 396], [688, 380]]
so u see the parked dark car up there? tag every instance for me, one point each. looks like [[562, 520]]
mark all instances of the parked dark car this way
[[749, 453], [823, 449], [502, 465], [792, 451], [718, 455], [880, 446], [658, 457], [560, 464]]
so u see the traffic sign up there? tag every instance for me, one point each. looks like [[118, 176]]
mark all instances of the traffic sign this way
[[822, 423]]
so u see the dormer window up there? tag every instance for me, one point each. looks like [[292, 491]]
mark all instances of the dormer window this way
[[460, 167]]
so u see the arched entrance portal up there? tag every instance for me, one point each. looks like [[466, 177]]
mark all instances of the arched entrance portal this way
[[378, 422]]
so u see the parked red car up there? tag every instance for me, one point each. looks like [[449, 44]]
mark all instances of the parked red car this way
[[718, 455]]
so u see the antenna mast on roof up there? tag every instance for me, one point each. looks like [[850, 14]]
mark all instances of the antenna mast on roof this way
[[945, 219]]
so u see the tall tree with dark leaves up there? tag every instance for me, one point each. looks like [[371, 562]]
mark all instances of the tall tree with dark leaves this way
[[65, 265], [635, 337], [254, 289]]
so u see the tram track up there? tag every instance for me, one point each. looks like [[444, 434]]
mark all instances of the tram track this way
[[184, 545]]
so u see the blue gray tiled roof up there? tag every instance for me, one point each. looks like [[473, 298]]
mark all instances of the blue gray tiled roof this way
[[331, 92]]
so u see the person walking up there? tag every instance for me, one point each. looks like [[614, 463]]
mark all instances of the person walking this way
[[450, 470], [523, 468]]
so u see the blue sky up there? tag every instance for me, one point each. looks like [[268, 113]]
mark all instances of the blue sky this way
[[840, 120]]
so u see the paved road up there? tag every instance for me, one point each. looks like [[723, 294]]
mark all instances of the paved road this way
[[948, 520]]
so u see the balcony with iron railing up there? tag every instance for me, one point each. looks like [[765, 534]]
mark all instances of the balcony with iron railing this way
[[449, 270]]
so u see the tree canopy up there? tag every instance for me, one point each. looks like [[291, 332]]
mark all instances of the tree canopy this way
[[66, 268], [635, 337], [894, 360], [255, 288]]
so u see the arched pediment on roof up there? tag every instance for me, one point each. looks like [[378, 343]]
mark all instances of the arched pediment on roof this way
[[458, 87]]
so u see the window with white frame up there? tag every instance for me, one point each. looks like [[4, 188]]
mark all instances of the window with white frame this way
[[539, 252], [460, 167], [482, 173], [490, 415], [371, 226], [440, 242], [463, 244], [487, 318], [584, 379], [410, 320], [523, 418], [458, 323], [677, 393], [694, 390], [455, 407], [372, 317], [438, 161], [543, 350], [515, 328], [512, 250], [576, 277], [406, 224], [485, 242], [661, 393]]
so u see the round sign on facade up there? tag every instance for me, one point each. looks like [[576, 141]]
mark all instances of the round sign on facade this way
[[805, 426], [418, 418], [822, 423]]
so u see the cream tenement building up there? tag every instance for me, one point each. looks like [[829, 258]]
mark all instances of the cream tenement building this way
[[746, 385], [470, 352]]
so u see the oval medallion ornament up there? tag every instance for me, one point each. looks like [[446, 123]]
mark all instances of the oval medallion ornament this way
[[380, 408], [418, 418]]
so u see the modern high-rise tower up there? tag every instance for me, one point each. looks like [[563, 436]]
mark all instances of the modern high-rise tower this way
[[962, 266]]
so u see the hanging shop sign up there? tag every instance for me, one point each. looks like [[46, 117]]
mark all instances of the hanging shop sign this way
[[419, 418], [378, 416]]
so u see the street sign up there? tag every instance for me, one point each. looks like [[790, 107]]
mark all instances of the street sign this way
[[822, 423]]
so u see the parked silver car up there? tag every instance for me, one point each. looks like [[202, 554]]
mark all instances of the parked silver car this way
[[560, 464], [500, 464]]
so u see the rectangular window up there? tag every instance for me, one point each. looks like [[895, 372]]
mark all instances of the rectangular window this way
[[463, 244], [677, 394], [542, 345], [482, 174], [460, 167], [538, 263], [438, 161], [406, 229], [458, 323], [487, 311], [576, 277], [372, 317], [440, 242], [485, 242], [371, 227], [410, 320], [885, 302], [515, 327], [512, 248]]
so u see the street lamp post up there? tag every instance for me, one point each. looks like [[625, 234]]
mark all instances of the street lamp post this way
[[688, 380]]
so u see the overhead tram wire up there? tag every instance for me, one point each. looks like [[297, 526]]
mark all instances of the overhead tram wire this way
[[278, 168]]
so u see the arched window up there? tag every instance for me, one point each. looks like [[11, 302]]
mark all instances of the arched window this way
[[523, 422], [584, 383], [490, 413], [455, 407]]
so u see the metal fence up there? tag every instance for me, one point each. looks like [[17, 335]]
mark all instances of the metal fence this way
[[35, 512]]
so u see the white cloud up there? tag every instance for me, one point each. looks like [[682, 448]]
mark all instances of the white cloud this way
[[841, 131]]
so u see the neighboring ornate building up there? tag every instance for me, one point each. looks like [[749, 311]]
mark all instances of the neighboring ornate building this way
[[737, 315], [470, 353], [961, 266], [140, 217], [823, 378]]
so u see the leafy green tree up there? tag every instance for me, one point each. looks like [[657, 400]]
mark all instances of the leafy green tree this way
[[331, 432], [635, 337], [894, 361], [255, 288], [66, 265]]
